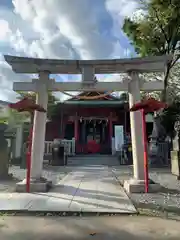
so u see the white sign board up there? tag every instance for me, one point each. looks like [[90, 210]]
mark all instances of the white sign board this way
[[149, 118], [119, 136]]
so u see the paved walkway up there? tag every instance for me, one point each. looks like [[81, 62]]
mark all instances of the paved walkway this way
[[84, 228], [94, 189], [85, 189]]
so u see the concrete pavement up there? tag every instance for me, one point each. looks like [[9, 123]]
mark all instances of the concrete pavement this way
[[96, 228], [85, 189]]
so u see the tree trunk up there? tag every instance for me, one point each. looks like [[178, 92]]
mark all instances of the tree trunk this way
[[159, 133], [166, 76]]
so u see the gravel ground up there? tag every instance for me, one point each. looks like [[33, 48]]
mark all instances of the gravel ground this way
[[166, 200], [53, 173]]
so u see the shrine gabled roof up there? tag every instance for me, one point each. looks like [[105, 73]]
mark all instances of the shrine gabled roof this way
[[86, 94]]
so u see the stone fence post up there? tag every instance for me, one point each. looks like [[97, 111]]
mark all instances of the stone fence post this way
[[4, 161]]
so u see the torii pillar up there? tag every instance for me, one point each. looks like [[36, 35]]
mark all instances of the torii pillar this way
[[37, 183], [39, 128], [136, 184]]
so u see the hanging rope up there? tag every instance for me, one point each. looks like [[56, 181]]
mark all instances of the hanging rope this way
[[88, 97]]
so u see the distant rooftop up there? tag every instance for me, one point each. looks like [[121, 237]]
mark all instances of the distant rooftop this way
[[4, 103]]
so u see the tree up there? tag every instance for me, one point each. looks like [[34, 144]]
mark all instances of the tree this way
[[124, 97], [52, 101], [13, 118], [157, 33], [169, 116]]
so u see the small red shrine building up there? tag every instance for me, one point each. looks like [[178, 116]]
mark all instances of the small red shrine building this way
[[90, 122]]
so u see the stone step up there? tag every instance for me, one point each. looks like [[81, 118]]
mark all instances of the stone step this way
[[93, 160]]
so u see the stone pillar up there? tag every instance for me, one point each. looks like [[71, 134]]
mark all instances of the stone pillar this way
[[38, 184], [136, 129], [4, 164], [18, 144], [39, 128], [137, 183]]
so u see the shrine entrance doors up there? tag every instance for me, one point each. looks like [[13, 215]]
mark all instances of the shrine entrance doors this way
[[94, 136]]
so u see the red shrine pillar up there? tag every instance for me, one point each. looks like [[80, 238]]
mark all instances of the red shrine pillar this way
[[63, 127], [76, 130], [110, 127]]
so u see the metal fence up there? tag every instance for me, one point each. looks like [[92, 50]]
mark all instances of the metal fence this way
[[69, 145], [158, 154]]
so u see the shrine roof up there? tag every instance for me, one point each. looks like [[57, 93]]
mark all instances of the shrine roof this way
[[108, 100], [109, 66], [86, 94], [4, 103]]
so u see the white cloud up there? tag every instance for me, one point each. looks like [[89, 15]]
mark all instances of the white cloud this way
[[5, 30], [122, 8], [61, 29], [62, 22]]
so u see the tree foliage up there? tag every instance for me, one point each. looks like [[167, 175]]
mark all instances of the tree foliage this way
[[169, 116], [157, 32], [52, 101], [14, 118]]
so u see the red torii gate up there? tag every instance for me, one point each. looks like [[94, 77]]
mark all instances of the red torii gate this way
[[27, 105], [147, 106]]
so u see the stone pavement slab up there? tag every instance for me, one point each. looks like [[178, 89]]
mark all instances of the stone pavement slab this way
[[85, 189]]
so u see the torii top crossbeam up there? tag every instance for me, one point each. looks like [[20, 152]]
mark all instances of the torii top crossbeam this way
[[36, 65]]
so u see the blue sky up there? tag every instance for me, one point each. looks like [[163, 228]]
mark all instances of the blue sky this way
[[61, 29]]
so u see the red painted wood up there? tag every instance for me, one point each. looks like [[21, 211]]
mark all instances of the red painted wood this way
[[93, 147], [53, 127], [145, 142], [110, 126], [28, 160], [149, 105], [76, 130]]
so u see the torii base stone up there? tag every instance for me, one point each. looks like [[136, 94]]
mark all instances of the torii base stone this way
[[41, 185]]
